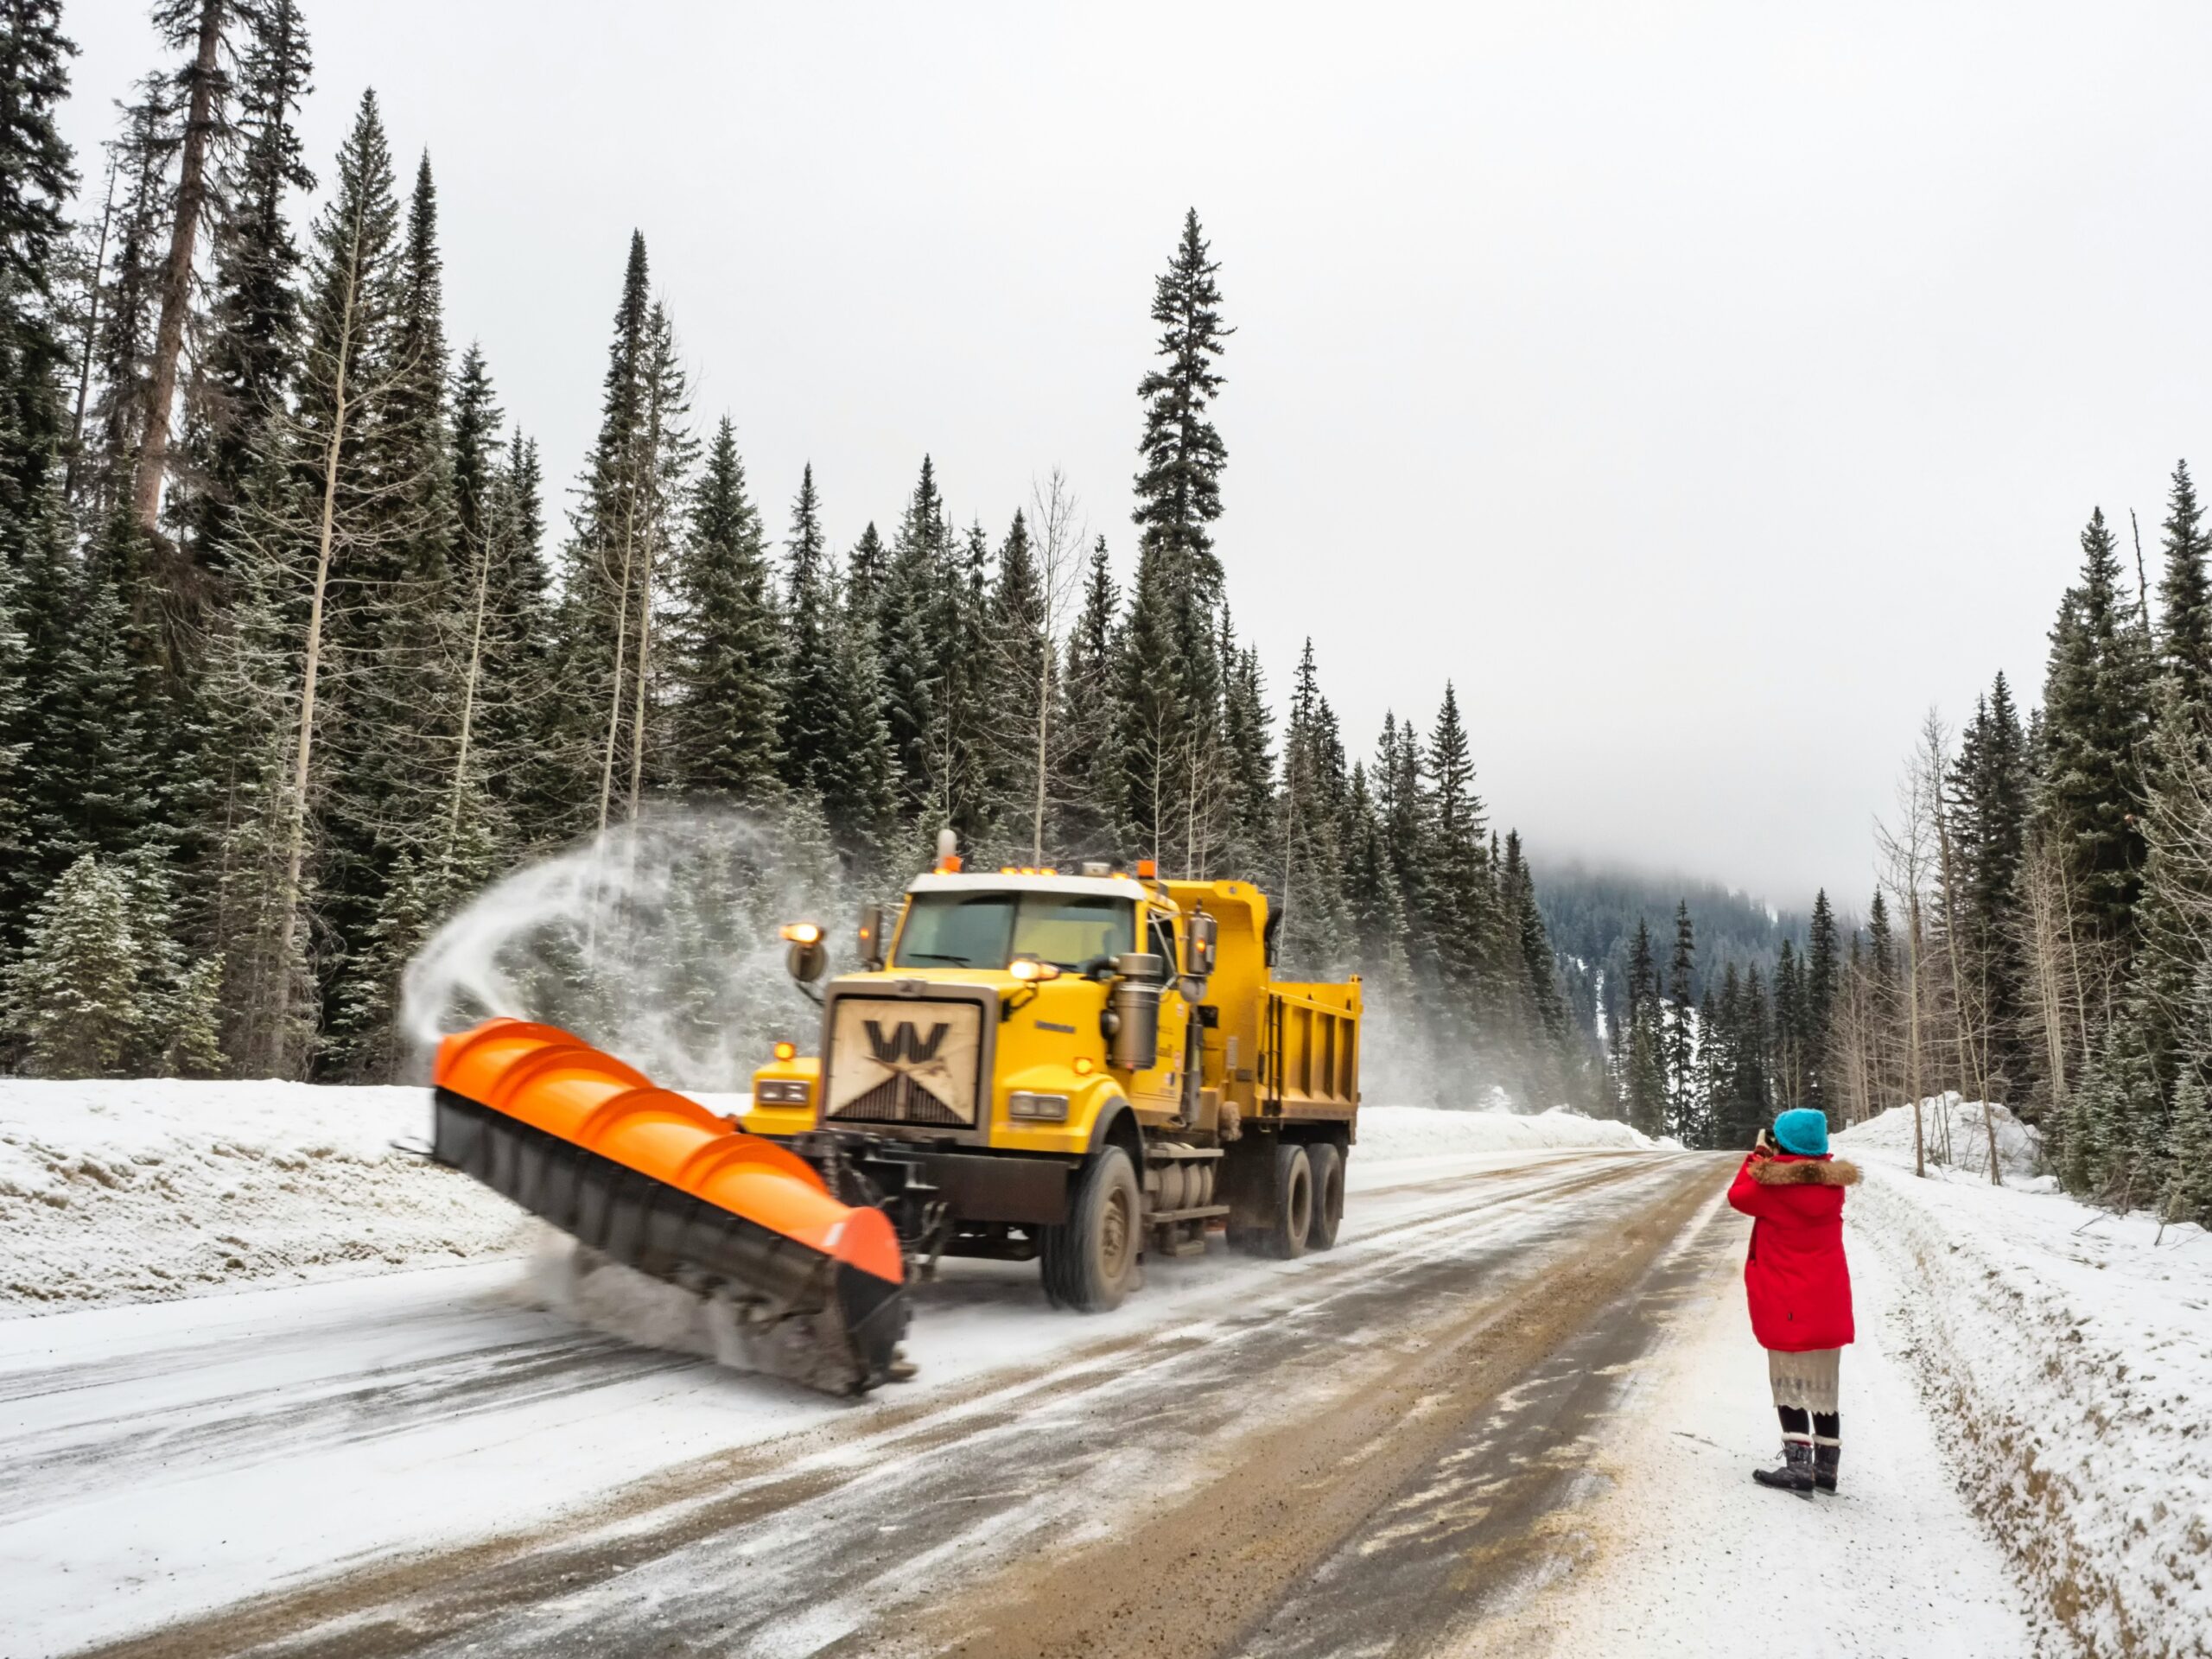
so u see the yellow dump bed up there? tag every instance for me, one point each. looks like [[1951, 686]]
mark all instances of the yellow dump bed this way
[[1278, 1049]]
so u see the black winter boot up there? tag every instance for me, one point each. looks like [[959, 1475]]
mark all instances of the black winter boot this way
[[1824, 1458], [1795, 1474]]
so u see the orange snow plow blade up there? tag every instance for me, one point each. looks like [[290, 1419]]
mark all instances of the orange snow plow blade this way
[[657, 1182]]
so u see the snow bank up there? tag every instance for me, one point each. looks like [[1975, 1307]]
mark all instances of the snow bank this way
[[1418, 1131], [128, 1192], [1956, 1137], [2068, 1354], [123, 1191]]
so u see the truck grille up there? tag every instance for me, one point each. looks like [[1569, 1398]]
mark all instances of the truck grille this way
[[903, 1061]]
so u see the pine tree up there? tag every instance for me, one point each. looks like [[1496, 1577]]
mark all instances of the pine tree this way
[[2096, 709], [2186, 602], [1377, 910], [859, 785], [252, 351], [727, 673], [1089, 775], [1643, 1074], [1021, 660], [37, 180], [73, 998], [1987, 805], [405, 829], [318, 554], [1788, 1028], [911, 608], [520, 720], [1536, 969], [1170, 678], [2187, 1195], [1179, 488], [1680, 1033], [207, 32], [120, 347], [1315, 935], [1456, 894], [809, 712], [1249, 759]]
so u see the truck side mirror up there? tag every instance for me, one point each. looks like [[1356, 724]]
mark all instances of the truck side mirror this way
[[1201, 933], [807, 958], [871, 938]]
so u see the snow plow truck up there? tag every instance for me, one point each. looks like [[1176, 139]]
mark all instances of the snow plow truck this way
[[1071, 1068]]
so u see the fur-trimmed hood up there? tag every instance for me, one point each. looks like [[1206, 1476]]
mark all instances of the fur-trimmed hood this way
[[1804, 1172]]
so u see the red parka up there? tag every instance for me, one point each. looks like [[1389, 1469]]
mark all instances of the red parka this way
[[1796, 1276]]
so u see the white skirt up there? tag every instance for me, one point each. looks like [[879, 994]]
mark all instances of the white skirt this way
[[1807, 1381]]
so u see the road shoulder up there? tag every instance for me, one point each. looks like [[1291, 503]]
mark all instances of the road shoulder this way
[[1680, 1554]]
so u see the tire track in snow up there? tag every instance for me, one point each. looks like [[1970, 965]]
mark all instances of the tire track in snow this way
[[762, 1518]]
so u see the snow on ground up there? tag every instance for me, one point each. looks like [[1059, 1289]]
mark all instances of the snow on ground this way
[[336, 1422], [1395, 1132], [1681, 1557], [115, 1191], [2068, 1354], [1955, 1138], [143, 1190]]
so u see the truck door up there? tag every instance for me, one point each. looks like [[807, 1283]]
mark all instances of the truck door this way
[[1158, 1094]]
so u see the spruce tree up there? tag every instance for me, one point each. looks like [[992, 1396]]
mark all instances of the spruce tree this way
[[208, 33], [808, 711], [119, 348], [727, 673], [1456, 895], [1170, 678], [2185, 600], [320, 555], [1821, 965], [37, 180], [404, 807], [858, 784], [1643, 1068], [73, 999], [1249, 759], [1020, 666], [1680, 1034], [1179, 488], [2096, 709], [1536, 969], [1315, 934], [1089, 792], [913, 608], [2187, 1195], [253, 326]]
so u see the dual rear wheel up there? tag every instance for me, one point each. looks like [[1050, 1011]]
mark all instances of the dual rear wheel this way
[[1090, 1261], [1295, 1201]]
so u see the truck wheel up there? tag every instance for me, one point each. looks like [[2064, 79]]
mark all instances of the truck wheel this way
[[1089, 1261], [1328, 1165], [1292, 1211]]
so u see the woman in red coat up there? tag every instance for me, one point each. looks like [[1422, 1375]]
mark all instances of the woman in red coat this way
[[1799, 1290]]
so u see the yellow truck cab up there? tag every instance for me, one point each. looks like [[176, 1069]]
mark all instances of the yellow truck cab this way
[[1065, 1067]]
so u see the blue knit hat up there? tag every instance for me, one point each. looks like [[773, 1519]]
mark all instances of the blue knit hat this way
[[1804, 1131]]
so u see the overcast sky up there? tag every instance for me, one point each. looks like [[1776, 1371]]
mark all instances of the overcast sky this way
[[1705, 389]]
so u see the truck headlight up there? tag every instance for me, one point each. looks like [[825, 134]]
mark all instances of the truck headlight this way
[[1053, 1107], [780, 1092]]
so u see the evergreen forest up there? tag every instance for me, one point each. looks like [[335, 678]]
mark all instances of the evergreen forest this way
[[301, 647]]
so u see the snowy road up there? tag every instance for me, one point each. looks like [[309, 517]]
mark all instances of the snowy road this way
[[1464, 1430]]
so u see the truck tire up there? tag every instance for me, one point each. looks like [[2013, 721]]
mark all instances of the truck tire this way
[[1089, 1261], [1328, 1165], [1290, 1219]]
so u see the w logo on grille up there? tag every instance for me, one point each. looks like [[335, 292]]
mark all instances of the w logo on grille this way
[[905, 1046]]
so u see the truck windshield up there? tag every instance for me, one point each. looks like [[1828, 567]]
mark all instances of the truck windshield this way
[[988, 929]]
